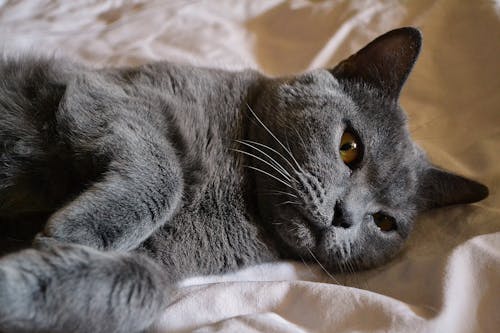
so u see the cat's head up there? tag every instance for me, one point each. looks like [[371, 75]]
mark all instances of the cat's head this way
[[336, 172]]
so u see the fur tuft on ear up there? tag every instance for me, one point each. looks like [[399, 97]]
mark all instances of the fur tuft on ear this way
[[440, 188], [384, 63]]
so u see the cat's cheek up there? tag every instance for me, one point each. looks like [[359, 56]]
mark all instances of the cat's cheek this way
[[379, 247]]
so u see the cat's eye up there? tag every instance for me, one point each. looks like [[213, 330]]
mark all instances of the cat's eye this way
[[384, 222], [349, 148]]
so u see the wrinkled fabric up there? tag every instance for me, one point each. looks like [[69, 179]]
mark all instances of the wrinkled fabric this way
[[448, 277]]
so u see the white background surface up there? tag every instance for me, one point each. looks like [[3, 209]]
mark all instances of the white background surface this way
[[448, 278]]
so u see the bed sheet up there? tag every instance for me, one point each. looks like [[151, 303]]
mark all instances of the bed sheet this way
[[448, 277]]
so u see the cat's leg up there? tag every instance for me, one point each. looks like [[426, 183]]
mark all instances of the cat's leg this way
[[138, 193], [106, 146], [73, 288]]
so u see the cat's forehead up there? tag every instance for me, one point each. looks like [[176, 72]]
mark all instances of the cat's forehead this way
[[318, 97]]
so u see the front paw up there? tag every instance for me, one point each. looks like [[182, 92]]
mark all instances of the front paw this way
[[17, 294], [68, 231]]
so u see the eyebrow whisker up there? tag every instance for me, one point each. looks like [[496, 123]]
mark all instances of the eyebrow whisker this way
[[275, 138]]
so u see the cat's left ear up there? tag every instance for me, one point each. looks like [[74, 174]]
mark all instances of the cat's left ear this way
[[384, 63], [440, 188]]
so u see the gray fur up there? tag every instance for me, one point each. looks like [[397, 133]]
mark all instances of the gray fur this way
[[160, 172]]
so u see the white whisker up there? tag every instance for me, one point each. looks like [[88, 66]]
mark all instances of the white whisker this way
[[268, 174], [244, 142], [322, 267], [280, 193], [275, 138], [287, 177], [272, 149], [300, 136], [288, 203], [308, 267]]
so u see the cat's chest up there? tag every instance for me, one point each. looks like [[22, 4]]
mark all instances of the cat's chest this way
[[211, 234], [215, 206]]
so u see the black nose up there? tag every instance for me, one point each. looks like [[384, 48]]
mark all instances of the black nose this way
[[340, 218]]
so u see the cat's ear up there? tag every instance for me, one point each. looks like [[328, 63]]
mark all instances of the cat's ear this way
[[441, 188], [384, 63]]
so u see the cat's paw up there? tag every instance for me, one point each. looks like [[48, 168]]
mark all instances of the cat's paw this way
[[16, 295], [67, 231]]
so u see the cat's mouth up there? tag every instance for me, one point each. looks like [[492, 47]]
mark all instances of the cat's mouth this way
[[309, 222], [298, 229]]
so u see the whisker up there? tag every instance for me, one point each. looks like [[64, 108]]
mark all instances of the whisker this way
[[320, 265], [350, 267], [293, 228], [308, 267], [275, 138], [268, 174], [287, 177], [249, 142], [288, 203], [340, 267], [276, 192], [290, 153], [351, 276], [361, 281], [300, 136]]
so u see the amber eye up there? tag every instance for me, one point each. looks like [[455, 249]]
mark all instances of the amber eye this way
[[384, 222], [349, 148]]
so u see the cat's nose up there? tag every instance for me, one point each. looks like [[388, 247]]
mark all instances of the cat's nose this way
[[340, 218]]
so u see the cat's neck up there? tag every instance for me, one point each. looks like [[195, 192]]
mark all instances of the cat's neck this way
[[208, 112]]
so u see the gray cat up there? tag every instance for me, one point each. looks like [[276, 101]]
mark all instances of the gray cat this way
[[160, 172]]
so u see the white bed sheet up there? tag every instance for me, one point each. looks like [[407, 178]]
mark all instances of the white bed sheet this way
[[448, 278]]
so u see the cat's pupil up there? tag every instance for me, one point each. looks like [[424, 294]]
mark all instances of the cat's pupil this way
[[384, 222], [348, 146]]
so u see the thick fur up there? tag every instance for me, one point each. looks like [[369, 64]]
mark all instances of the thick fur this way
[[155, 173]]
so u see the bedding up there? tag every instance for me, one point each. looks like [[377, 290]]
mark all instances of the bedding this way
[[448, 277]]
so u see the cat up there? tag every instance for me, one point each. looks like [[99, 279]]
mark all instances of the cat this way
[[156, 173]]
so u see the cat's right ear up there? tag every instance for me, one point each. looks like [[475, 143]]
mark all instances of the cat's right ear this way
[[384, 63], [440, 188]]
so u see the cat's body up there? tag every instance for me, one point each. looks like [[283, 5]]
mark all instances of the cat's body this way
[[213, 176], [156, 173]]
